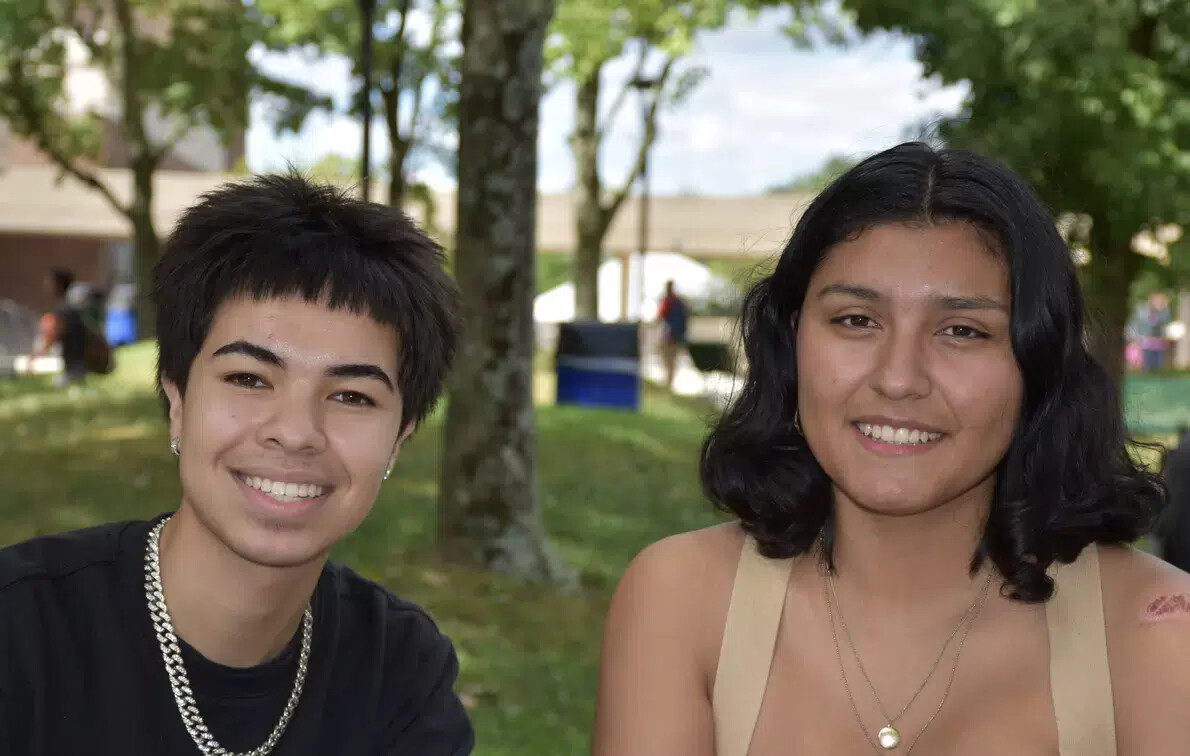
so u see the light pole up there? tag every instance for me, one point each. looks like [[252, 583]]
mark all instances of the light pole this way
[[643, 85], [367, 10]]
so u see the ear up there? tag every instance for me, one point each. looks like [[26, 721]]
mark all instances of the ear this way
[[174, 395]]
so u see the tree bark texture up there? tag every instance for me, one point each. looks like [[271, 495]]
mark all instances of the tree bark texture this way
[[1109, 279], [146, 244], [591, 219], [488, 509]]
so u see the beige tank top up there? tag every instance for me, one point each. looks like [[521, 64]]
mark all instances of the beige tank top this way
[[1079, 676]]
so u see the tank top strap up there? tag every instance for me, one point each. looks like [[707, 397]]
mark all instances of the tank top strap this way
[[746, 655], [1080, 680]]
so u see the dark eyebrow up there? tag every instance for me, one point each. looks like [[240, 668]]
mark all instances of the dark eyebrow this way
[[250, 350], [355, 370], [947, 302], [851, 290], [972, 303], [363, 370]]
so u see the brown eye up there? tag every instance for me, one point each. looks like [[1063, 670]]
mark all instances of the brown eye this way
[[855, 322], [354, 398], [964, 332], [245, 380]]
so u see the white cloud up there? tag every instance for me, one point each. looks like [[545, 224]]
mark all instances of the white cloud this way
[[766, 113]]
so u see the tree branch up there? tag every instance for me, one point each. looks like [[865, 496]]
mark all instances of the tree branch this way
[[157, 152], [391, 95], [622, 95], [133, 115], [1142, 37], [38, 129], [646, 142]]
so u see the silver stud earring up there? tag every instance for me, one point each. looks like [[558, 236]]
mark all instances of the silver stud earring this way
[[387, 473], [175, 446]]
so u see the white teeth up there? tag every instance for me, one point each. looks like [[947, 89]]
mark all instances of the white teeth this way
[[898, 436], [283, 491]]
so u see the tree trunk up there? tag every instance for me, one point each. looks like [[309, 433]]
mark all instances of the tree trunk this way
[[398, 145], [1108, 282], [488, 509], [396, 173], [146, 245], [589, 214], [1181, 350]]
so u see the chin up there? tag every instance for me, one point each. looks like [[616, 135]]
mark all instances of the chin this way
[[276, 549], [270, 543], [892, 501]]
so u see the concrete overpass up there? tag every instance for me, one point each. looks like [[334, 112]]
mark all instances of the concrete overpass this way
[[37, 201]]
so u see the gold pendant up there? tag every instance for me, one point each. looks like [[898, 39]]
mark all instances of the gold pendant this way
[[889, 738]]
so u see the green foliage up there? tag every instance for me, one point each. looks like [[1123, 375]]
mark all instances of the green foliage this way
[[818, 179], [336, 167], [415, 61], [1089, 99], [181, 61], [586, 34], [553, 269]]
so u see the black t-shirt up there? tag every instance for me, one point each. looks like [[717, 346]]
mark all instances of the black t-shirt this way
[[81, 670], [73, 334]]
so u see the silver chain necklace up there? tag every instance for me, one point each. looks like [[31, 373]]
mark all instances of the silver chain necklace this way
[[889, 737], [174, 667]]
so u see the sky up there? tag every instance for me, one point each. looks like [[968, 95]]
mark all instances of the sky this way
[[766, 113]]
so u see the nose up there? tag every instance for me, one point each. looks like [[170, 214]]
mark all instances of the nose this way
[[295, 424], [901, 371]]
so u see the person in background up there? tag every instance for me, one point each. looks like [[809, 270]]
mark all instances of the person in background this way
[[63, 326], [673, 315], [1148, 330], [1174, 534]]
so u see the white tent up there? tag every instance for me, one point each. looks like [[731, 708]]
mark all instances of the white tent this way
[[693, 281]]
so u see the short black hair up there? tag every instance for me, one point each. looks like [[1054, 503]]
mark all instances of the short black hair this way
[[273, 236], [1067, 479], [63, 279]]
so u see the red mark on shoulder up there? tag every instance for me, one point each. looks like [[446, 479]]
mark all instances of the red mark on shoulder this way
[[1166, 606]]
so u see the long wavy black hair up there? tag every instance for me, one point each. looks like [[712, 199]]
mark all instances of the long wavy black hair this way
[[1067, 479]]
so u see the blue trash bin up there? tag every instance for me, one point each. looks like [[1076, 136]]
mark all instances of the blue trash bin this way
[[120, 327], [598, 364]]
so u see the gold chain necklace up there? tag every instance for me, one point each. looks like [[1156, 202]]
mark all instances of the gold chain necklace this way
[[889, 738]]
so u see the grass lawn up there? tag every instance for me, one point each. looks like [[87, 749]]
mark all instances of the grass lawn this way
[[611, 482]]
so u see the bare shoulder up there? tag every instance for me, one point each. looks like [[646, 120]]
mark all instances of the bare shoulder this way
[[1147, 611], [685, 581], [1143, 589], [660, 644], [712, 548]]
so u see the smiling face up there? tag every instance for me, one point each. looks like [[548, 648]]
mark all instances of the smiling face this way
[[290, 419], [908, 389]]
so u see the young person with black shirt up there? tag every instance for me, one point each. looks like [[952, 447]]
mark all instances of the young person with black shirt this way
[[64, 326], [303, 337]]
